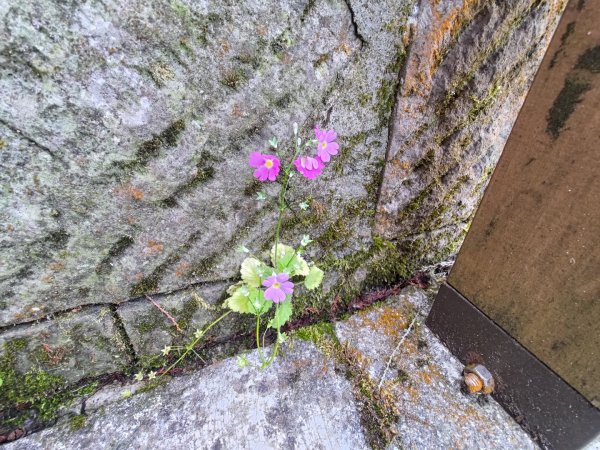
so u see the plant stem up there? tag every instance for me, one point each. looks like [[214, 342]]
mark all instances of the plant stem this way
[[260, 355], [191, 346]]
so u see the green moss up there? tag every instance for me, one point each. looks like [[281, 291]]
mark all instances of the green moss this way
[[122, 244], [315, 333], [233, 78], [386, 93], [416, 203], [481, 104], [151, 361], [186, 313], [564, 104], [252, 188], [35, 389], [364, 99], [307, 9], [322, 59], [151, 148], [347, 148], [590, 60], [249, 58], [170, 135], [426, 160], [281, 43], [387, 265], [58, 238], [77, 422], [147, 285]]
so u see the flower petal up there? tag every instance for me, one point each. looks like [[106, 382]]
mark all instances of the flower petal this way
[[282, 277], [262, 173], [330, 135], [332, 148], [256, 159]]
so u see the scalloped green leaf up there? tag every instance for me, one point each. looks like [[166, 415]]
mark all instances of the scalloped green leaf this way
[[283, 313], [289, 261], [240, 301], [313, 278], [258, 302], [250, 271]]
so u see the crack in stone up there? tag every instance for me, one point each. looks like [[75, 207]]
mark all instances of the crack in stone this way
[[122, 332], [357, 32], [31, 140], [64, 312]]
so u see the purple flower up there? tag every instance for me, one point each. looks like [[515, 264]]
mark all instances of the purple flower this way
[[267, 166], [278, 286], [326, 146], [309, 167]]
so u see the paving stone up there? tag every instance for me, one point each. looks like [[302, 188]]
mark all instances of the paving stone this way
[[299, 402], [425, 380], [80, 343]]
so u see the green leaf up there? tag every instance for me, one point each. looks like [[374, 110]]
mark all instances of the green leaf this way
[[242, 361], [289, 261], [314, 278], [284, 312], [240, 301], [234, 287], [250, 272], [258, 302]]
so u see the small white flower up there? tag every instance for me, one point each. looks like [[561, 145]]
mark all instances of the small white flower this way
[[166, 350], [151, 375], [305, 240], [198, 333], [139, 376]]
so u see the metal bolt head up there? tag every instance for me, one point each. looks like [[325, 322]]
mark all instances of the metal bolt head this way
[[482, 374]]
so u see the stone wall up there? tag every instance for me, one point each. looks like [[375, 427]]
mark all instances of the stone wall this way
[[125, 129]]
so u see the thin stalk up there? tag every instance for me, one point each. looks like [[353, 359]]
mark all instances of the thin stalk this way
[[191, 346]]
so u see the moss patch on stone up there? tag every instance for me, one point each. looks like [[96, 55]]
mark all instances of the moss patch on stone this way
[[151, 148], [123, 243], [77, 422], [35, 389]]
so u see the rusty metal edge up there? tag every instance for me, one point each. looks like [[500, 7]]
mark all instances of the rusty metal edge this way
[[555, 415]]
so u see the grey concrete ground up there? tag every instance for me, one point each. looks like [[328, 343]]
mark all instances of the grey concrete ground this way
[[308, 398]]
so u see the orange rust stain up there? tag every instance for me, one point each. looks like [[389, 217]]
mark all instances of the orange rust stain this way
[[181, 269], [389, 320], [136, 194], [426, 376], [153, 248], [57, 265], [444, 29], [236, 111]]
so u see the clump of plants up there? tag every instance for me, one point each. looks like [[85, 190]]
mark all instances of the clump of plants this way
[[266, 288]]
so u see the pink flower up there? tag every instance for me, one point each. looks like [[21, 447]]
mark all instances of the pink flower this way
[[326, 146], [278, 286], [267, 166], [309, 167]]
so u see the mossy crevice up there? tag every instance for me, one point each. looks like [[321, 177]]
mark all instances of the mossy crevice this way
[[378, 411], [151, 148], [35, 389], [104, 267]]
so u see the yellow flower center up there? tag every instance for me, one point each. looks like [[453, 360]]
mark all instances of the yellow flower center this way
[[324, 144], [276, 285], [269, 163]]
